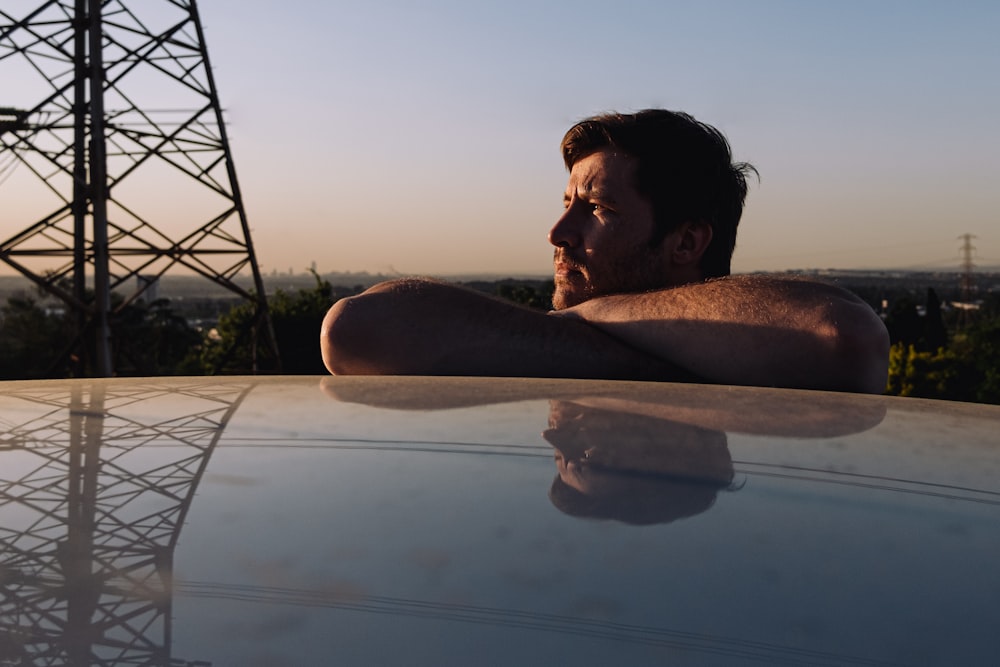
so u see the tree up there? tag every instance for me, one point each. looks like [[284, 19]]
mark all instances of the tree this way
[[153, 340], [935, 335], [922, 374], [904, 322], [30, 339], [980, 346], [537, 296], [295, 318], [966, 370]]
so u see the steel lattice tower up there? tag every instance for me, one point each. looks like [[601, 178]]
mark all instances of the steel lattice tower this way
[[968, 279], [110, 123]]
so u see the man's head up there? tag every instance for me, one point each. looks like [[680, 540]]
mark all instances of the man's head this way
[[632, 467], [653, 201]]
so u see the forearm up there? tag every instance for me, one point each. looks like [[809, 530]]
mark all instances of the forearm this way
[[753, 331], [420, 327]]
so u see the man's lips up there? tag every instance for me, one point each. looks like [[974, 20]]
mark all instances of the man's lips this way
[[566, 270]]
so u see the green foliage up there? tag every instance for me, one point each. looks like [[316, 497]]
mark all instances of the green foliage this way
[[967, 370], [231, 347], [295, 319], [30, 339], [153, 340], [940, 374], [146, 340], [527, 294], [981, 346]]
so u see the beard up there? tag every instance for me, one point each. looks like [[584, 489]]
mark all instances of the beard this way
[[640, 270]]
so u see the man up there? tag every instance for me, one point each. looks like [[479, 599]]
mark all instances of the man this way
[[642, 286]]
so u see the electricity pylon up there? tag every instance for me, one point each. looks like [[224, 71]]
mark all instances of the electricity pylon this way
[[95, 485], [968, 280], [112, 117]]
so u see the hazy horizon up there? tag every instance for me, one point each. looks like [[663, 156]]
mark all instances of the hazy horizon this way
[[385, 137]]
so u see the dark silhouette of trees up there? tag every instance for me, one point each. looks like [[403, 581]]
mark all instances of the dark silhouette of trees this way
[[532, 295], [935, 335], [30, 339], [151, 339], [295, 317], [147, 339], [966, 369], [904, 323]]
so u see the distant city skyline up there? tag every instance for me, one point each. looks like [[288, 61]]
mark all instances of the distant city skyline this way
[[387, 137]]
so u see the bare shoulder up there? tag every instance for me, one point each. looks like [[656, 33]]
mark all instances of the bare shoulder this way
[[410, 284], [770, 283], [855, 335]]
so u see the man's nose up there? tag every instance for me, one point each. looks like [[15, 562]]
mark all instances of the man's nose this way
[[566, 232]]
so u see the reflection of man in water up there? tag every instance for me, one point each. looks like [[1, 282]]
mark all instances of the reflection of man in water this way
[[637, 469], [652, 460]]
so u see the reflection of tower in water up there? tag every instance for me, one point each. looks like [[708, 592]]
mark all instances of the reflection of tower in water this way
[[94, 490]]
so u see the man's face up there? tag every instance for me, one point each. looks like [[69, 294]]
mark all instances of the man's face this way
[[602, 239]]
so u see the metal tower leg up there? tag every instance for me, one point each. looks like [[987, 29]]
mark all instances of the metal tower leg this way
[[118, 121]]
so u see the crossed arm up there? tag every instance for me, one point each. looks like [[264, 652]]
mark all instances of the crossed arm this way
[[736, 330]]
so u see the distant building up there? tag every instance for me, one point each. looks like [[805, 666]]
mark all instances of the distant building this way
[[149, 288], [964, 305]]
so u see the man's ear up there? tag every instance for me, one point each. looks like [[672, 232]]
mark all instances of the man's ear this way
[[693, 239]]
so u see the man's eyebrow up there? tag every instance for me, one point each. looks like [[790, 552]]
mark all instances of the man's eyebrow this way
[[591, 190], [601, 195]]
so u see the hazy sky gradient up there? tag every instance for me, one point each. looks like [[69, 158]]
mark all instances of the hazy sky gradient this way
[[384, 136]]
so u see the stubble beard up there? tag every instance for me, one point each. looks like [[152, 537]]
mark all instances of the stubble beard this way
[[573, 290], [641, 271]]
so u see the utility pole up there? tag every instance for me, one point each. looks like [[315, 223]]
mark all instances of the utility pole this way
[[115, 121]]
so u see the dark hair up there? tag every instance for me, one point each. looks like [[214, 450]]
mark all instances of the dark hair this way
[[685, 168], [639, 500]]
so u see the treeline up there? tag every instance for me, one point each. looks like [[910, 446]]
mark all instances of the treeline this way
[[952, 354], [936, 353], [39, 342], [153, 339]]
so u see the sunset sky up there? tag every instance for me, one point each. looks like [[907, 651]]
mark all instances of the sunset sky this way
[[423, 137]]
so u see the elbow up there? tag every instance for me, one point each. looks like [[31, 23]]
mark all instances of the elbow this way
[[354, 337], [366, 334], [342, 339], [861, 351]]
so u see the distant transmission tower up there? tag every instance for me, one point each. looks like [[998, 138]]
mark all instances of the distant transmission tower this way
[[968, 281], [109, 115]]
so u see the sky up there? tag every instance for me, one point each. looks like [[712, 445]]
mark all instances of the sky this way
[[422, 138]]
